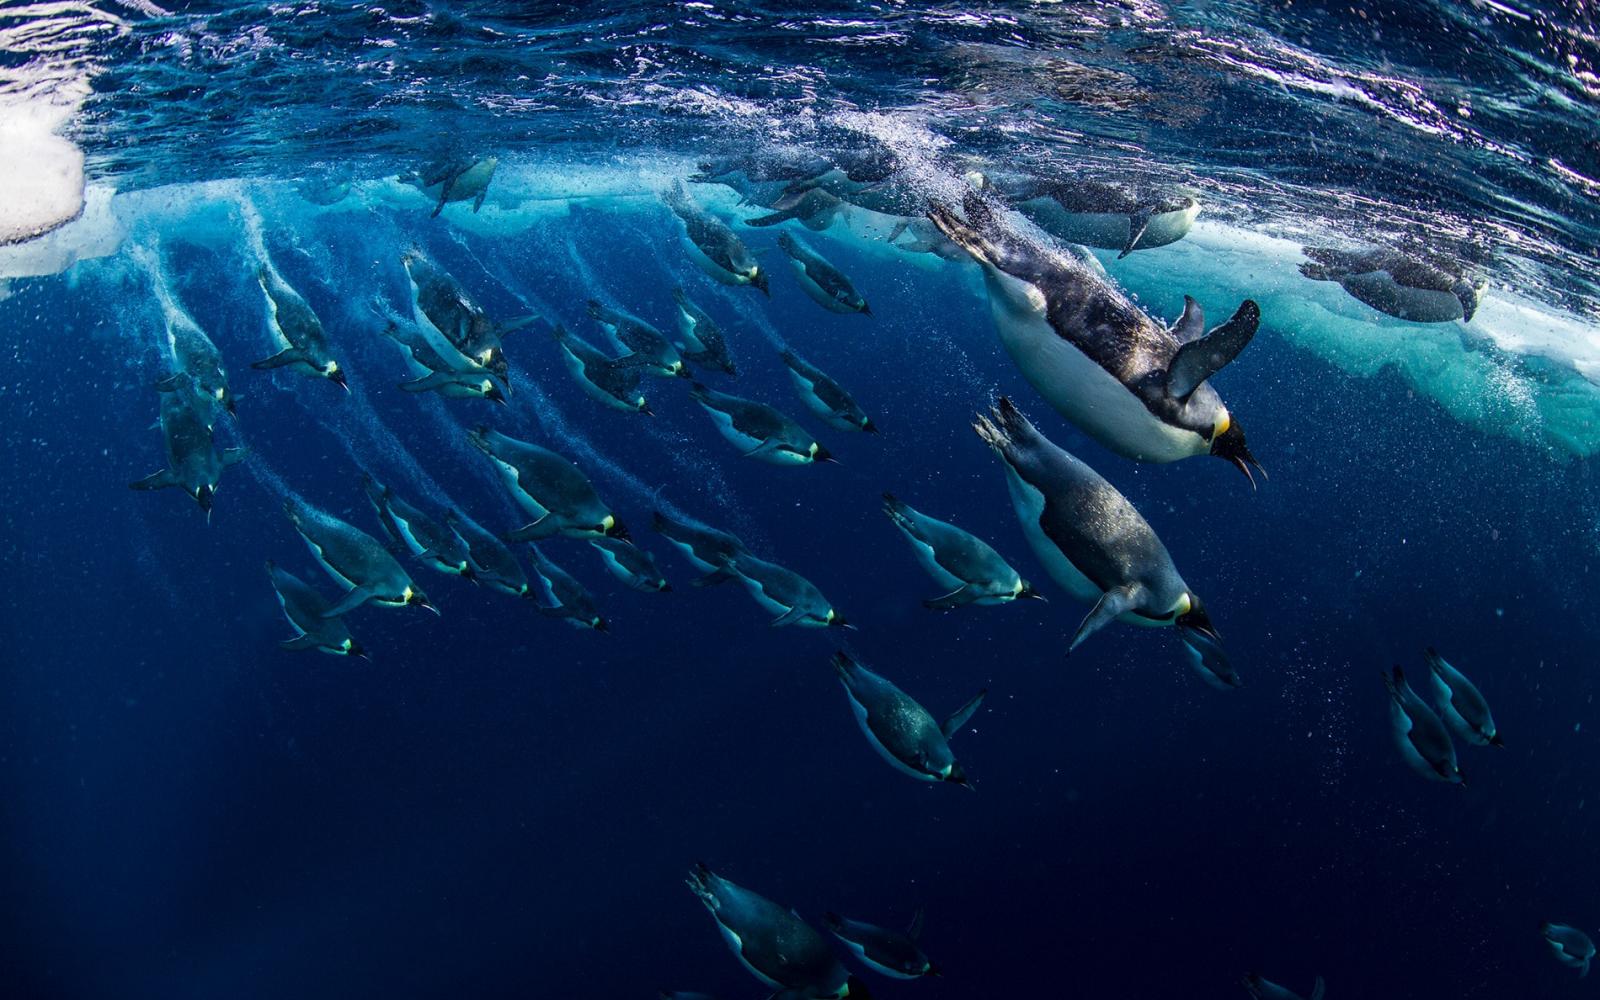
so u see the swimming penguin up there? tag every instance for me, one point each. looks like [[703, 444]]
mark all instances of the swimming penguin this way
[[559, 497], [699, 338], [436, 544], [713, 247], [306, 611], [1572, 947], [196, 366], [631, 564], [814, 208], [826, 284], [326, 190], [1461, 705], [303, 347], [193, 462], [1095, 213], [1130, 383], [356, 560], [773, 943], [825, 397], [1266, 989], [467, 330], [647, 345], [1089, 537], [611, 381], [708, 549], [493, 565], [1421, 736], [785, 593], [1414, 287], [894, 953], [922, 236], [433, 373], [455, 179], [900, 729], [758, 430], [573, 604], [964, 564]]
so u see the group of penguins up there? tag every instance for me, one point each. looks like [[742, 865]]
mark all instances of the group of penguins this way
[[1135, 384]]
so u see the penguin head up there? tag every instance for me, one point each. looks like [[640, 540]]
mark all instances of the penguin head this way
[[1228, 444], [867, 426], [599, 624], [415, 598], [333, 373], [464, 570], [758, 278], [820, 454], [643, 406], [835, 620], [353, 648], [1193, 621], [226, 398], [610, 527], [1449, 771], [929, 969], [492, 392], [955, 774], [855, 989], [1026, 592]]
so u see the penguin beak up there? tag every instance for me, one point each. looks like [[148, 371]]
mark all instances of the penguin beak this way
[[1230, 446], [229, 405], [338, 379], [1496, 741], [866, 310], [422, 602], [647, 411], [495, 394]]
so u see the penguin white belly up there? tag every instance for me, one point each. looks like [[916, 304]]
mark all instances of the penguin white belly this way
[[737, 944], [1087, 394], [1402, 737], [732, 434], [316, 552], [508, 474], [686, 330], [711, 267], [925, 556], [895, 762]]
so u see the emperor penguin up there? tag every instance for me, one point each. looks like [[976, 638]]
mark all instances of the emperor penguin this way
[[307, 613], [1461, 705], [573, 604], [825, 397], [550, 488], [1096, 213], [896, 954], [302, 345], [468, 335], [785, 593], [455, 179], [903, 732], [773, 943], [759, 431], [631, 564], [971, 571], [612, 382], [1088, 536], [1132, 384], [1415, 287], [714, 247], [1423, 740], [707, 549], [825, 284], [356, 560], [492, 563], [194, 464], [432, 372], [436, 545], [1572, 947], [1266, 989], [700, 339], [814, 208], [649, 347], [196, 366]]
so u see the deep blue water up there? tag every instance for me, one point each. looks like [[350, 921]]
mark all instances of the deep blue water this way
[[498, 805]]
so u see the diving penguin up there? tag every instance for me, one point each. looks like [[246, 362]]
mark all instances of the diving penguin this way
[[707, 549], [714, 247], [433, 373], [825, 284], [900, 729], [196, 365], [1413, 287], [700, 339], [785, 593], [894, 953], [1461, 705], [356, 560], [467, 331], [648, 346], [302, 345], [1572, 947], [610, 381], [1421, 736], [1135, 386], [631, 564], [773, 943], [1089, 537], [493, 565], [1266, 989], [307, 613], [825, 397], [971, 571], [437, 545], [550, 488], [1096, 213], [758, 430], [193, 462], [454, 179], [573, 604]]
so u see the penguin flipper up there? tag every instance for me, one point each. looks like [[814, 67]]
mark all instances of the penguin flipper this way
[[1200, 359], [953, 724], [513, 325], [1318, 990], [233, 456], [788, 617], [354, 599], [477, 202], [1137, 223], [172, 383], [285, 357], [156, 481], [427, 382], [1192, 324], [962, 595], [534, 530], [299, 642], [764, 447], [1111, 605]]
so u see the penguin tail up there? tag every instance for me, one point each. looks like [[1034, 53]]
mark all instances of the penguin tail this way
[[1004, 426], [1392, 682], [1435, 661]]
